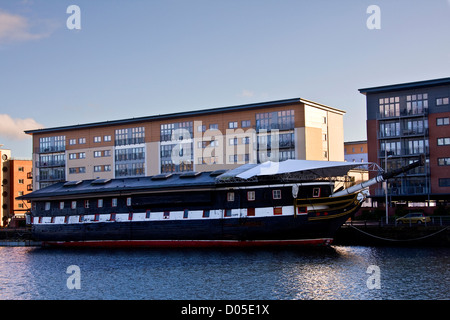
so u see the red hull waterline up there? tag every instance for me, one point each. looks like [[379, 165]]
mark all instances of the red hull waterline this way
[[189, 243]]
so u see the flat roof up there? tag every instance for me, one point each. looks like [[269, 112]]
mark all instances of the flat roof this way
[[405, 86], [187, 114]]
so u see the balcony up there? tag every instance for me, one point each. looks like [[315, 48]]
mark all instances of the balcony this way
[[49, 164], [50, 149]]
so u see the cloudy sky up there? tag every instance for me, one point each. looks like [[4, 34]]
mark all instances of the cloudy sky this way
[[145, 57]]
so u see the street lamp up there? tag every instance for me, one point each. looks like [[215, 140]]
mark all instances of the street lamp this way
[[386, 184]]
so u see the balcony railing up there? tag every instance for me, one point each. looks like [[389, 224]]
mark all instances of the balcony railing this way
[[48, 164]]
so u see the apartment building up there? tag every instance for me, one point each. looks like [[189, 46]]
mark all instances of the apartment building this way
[[16, 180], [5, 155], [405, 121], [202, 140], [21, 183], [355, 151]]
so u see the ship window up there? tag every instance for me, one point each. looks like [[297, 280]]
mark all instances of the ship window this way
[[129, 201], [81, 218], [61, 205], [205, 213], [112, 217], [316, 192], [86, 204], [230, 196], [147, 214], [47, 206], [250, 212], [74, 205], [166, 214], [276, 194], [302, 210], [52, 219], [100, 203], [130, 216], [277, 210], [227, 212], [114, 202], [251, 195], [186, 213], [66, 219], [96, 217]]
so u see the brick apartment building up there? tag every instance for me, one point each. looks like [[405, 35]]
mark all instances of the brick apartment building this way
[[405, 121], [202, 140], [16, 180]]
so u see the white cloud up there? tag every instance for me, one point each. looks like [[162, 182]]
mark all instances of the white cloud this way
[[14, 128], [14, 28]]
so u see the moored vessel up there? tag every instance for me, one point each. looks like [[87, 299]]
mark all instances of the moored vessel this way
[[295, 202]]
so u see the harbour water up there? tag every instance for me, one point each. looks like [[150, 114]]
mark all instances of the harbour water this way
[[338, 272]]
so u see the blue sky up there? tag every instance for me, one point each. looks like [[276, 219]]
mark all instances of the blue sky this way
[[137, 58]]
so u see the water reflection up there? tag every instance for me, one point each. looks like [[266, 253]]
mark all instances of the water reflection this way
[[330, 273]]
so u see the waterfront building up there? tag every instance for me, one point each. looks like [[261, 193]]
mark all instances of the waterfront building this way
[[5, 155], [355, 151], [21, 183], [202, 140], [405, 121], [16, 180]]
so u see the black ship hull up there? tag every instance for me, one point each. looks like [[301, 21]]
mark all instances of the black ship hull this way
[[306, 222]]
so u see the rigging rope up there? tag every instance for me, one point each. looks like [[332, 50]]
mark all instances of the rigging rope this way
[[400, 240]]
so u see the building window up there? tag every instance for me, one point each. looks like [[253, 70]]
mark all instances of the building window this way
[[444, 182], [129, 201], [416, 103], [97, 154], [72, 141], [97, 139], [21, 181], [82, 140], [214, 126], [201, 128], [230, 196], [443, 141], [232, 125], [129, 136], [100, 203], [245, 123], [61, 205], [251, 195], [389, 107], [86, 204], [72, 156], [444, 161], [114, 202], [442, 121], [97, 168], [442, 101], [276, 194], [106, 138], [73, 205]]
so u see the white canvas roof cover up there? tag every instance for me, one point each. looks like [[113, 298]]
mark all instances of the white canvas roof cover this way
[[302, 167]]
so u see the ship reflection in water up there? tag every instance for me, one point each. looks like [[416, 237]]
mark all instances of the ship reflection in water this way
[[327, 273]]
